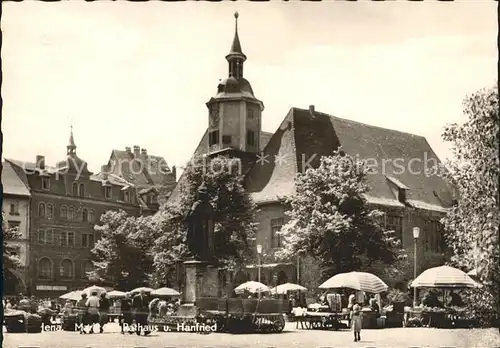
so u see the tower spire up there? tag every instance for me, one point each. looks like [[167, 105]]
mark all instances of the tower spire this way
[[236, 57], [71, 147]]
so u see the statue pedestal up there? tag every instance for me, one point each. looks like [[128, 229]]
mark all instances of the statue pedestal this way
[[202, 280]]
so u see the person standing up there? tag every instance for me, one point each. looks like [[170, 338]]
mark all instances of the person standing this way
[[104, 305], [350, 304], [92, 305], [126, 314], [81, 307], [356, 322], [141, 308]]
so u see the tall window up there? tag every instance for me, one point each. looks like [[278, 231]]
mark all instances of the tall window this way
[[45, 183], [126, 196], [91, 215], [56, 236], [81, 190], [64, 238], [87, 240], [213, 138], [85, 214], [66, 269], [64, 212], [48, 237], [276, 225], [50, 211], [75, 189], [44, 268], [14, 208], [41, 236], [250, 138], [395, 223], [87, 267], [107, 192], [71, 238], [41, 209], [71, 213]]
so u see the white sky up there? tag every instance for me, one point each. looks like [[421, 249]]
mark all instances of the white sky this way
[[140, 73]]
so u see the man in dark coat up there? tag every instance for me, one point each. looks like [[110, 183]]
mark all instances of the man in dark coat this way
[[141, 308], [104, 305], [126, 315]]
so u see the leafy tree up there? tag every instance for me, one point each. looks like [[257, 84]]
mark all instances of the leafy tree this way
[[472, 224], [123, 253], [330, 221], [10, 262], [234, 216]]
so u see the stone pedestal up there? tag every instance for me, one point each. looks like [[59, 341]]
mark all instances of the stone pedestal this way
[[202, 280]]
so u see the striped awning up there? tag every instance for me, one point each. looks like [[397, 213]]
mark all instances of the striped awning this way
[[443, 277], [362, 281]]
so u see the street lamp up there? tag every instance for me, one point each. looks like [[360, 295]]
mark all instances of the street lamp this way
[[416, 233], [259, 252]]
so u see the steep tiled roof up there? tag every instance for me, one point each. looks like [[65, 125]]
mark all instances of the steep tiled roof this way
[[306, 136], [13, 183], [202, 149]]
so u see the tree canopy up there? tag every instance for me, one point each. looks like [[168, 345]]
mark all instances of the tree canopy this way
[[472, 224], [330, 221], [10, 261]]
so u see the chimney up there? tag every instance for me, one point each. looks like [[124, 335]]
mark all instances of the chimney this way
[[311, 109], [40, 162], [174, 172], [128, 149], [137, 150], [104, 172]]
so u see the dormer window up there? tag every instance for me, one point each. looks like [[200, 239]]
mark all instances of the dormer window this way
[[400, 188], [126, 196], [402, 195], [45, 183]]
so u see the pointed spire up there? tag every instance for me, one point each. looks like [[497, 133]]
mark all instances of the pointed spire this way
[[236, 46], [71, 146]]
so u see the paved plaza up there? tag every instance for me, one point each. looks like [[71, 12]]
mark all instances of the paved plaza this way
[[397, 337]]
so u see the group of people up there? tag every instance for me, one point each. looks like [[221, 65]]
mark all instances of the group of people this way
[[90, 311]]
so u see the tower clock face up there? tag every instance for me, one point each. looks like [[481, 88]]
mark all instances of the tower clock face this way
[[214, 117]]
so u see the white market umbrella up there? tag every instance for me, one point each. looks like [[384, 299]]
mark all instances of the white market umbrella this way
[[72, 295], [362, 281], [142, 288], [443, 277], [115, 294], [94, 288], [165, 292], [251, 286], [282, 289]]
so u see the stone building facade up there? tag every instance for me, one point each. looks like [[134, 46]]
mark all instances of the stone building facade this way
[[66, 203]]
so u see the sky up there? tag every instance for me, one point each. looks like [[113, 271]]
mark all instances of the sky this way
[[126, 74]]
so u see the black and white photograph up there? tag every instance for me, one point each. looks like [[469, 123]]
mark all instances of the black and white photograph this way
[[237, 174]]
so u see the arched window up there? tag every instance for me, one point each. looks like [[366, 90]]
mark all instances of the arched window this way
[[50, 211], [71, 213], [44, 268], [85, 214], [87, 267], [41, 209], [64, 212], [91, 216], [66, 269], [81, 190], [75, 189]]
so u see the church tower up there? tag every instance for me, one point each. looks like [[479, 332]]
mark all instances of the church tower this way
[[235, 114]]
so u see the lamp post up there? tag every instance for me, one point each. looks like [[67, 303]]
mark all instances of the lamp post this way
[[416, 233], [259, 252]]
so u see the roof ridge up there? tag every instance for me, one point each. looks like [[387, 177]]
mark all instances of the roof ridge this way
[[360, 123]]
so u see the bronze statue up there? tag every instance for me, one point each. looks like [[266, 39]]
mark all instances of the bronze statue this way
[[201, 226]]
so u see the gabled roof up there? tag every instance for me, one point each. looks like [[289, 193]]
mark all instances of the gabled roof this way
[[304, 136], [202, 149], [155, 170], [13, 183]]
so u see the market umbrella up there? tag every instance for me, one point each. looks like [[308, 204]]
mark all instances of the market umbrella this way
[[252, 287], [284, 288], [115, 294], [362, 281], [94, 288], [146, 290], [72, 295], [162, 292], [443, 277]]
